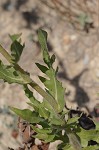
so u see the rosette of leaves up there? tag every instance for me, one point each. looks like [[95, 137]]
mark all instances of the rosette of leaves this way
[[47, 118]]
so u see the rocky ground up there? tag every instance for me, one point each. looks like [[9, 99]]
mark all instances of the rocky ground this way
[[73, 29]]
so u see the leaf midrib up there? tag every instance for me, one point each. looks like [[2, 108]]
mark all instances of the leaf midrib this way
[[54, 79]]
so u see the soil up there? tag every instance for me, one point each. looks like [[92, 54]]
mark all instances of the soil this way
[[73, 36]]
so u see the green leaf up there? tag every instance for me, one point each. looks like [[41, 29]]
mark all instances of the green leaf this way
[[42, 36], [56, 120], [94, 147], [46, 111], [72, 120], [46, 137], [29, 94], [45, 124], [28, 115], [51, 113], [47, 106], [43, 131], [43, 112], [34, 108], [68, 147], [54, 87], [10, 75], [16, 48], [16, 51], [87, 135]]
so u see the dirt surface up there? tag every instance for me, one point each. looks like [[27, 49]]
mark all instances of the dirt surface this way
[[73, 29]]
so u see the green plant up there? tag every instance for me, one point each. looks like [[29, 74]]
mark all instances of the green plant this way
[[50, 114]]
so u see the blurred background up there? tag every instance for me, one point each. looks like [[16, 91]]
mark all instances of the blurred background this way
[[73, 36]]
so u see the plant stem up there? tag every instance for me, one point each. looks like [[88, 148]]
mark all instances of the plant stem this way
[[5, 54]]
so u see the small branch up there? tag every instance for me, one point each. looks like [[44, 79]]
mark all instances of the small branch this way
[[5, 54]]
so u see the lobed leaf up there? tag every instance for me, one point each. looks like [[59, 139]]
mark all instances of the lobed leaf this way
[[54, 87]]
